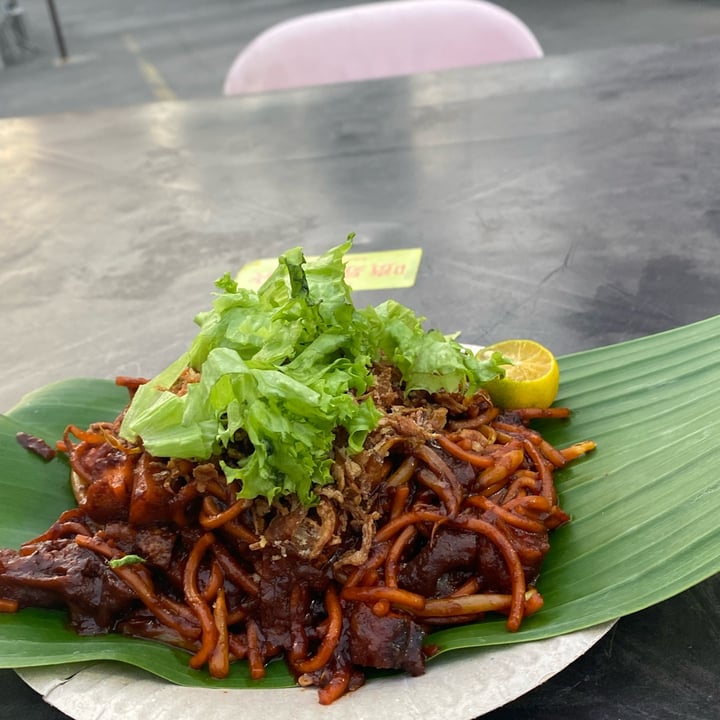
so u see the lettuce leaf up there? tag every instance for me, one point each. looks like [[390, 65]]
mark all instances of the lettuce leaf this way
[[283, 369], [427, 360]]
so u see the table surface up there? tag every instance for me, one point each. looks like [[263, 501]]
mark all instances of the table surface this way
[[572, 199]]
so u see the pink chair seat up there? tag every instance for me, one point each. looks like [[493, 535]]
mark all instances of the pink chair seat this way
[[400, 37]]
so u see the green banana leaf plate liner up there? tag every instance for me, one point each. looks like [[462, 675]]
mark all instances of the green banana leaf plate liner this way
[[644, 505]]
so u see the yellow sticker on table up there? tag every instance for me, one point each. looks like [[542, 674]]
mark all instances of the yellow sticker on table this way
[[363, 271]]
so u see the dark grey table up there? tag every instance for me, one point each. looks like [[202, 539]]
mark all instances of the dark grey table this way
[[574, 200]]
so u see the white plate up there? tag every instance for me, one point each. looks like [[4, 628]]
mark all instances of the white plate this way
[[462, 685]]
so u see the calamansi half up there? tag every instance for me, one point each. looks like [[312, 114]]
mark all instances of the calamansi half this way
[[532, 380]]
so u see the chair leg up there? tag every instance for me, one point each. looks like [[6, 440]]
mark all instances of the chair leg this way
[[14, 37]]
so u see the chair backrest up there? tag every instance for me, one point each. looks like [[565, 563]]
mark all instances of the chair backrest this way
[[383, 39]]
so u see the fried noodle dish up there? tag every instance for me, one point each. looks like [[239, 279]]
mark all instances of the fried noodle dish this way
[[415, 506]]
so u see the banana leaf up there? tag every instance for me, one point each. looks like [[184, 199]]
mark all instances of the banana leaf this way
[[643, 506]]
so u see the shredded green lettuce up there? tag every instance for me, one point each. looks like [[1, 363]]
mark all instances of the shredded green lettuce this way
[[285, 368]]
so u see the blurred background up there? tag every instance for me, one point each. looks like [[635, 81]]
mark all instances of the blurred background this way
[[104, 53]]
